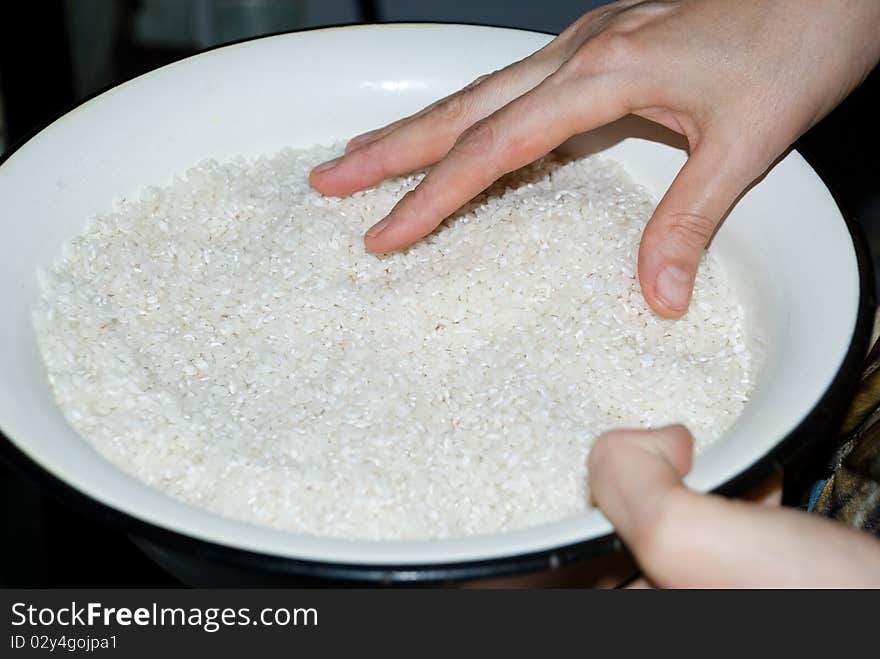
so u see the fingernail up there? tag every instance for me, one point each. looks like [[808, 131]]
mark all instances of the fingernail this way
[[325, 166], [379, 227], [674, 287]]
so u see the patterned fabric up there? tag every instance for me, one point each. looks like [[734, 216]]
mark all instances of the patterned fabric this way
[[851, 493]]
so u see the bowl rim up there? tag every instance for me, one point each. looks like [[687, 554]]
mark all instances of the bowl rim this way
[[827, 411]]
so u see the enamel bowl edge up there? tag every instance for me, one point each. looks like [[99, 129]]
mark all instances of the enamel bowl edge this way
[[303, 88]]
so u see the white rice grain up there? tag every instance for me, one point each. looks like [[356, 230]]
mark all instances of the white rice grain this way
[[228, 340]]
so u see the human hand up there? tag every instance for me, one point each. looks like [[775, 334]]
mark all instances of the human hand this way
[[684, 539], [740, 80]]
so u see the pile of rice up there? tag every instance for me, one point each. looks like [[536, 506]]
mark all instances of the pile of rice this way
[[228, 340]]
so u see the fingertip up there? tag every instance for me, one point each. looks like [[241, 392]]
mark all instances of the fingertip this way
[[603, 449], [666, 287], [339, 177], [633, 474], [321, 179], [665, 312], [325, 187], [672, 444], [378, 241], [372, 247], [316, 181], [377, 247], [676, 445], [673, 287], [326, 166], [373, 240]]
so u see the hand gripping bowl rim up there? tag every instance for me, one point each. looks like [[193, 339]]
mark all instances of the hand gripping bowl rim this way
[[821, 419]]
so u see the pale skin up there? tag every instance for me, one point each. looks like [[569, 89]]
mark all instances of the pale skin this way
[[683, 539], [740, 81]]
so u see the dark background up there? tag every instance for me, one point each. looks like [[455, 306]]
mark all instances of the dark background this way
[[55, 53]]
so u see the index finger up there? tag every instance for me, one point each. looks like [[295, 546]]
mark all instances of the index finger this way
[[424, 138], [520, 132]]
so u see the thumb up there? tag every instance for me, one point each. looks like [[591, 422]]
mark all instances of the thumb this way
[[684, 222], [684, 539], [633, 473]]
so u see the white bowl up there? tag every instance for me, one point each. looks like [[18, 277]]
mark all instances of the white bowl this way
[[786, 242]]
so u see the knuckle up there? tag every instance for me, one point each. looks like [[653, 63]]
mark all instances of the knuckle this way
[[415, 207], [582, 63], [690, 230], [453, 109], [478, 140], [593, 22], [373, 156], [378, 160], [418, 197], [579, 65], [607, 52], [617, 48], [477, 81], [643, 14]]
